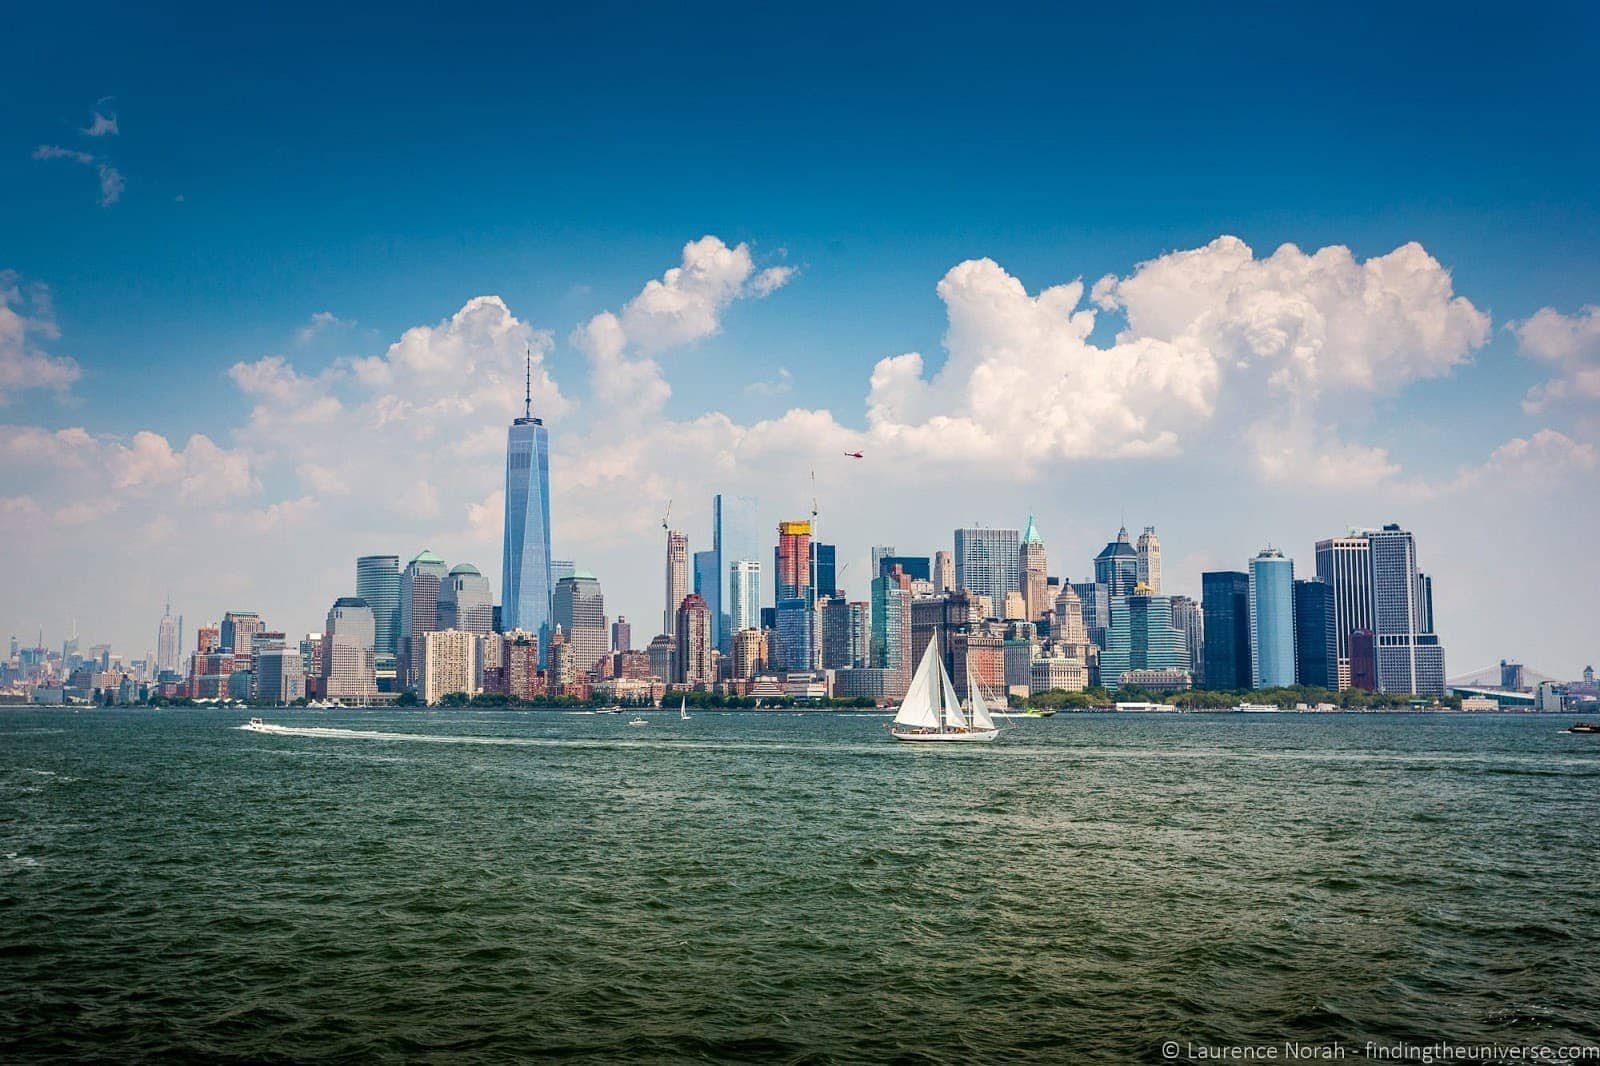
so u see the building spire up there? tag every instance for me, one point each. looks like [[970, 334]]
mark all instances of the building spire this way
[[527, 384]]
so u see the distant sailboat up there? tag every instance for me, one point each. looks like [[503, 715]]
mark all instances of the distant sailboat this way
[[931, 711], [683, 709]]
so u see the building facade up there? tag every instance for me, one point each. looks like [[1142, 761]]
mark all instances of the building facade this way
[[1141, 637], [449, 664], [989, 563], [1147, 551], [695, 665], [1034, 576], [378, 582], [1225, 607], [580, 611], [466, 601], [1315, 635], [1272, 651], [419, 611], [525, 549], [744, 594], [677, 580], [1117, 566], [348, 670]]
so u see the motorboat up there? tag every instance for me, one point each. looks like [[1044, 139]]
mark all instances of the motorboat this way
[[1584, 727], [638, 721]]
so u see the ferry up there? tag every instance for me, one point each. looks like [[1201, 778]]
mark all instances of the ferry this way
[[1258, 708], [1584, 727]]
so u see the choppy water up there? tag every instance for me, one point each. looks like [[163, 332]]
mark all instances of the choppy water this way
[[791, 888]]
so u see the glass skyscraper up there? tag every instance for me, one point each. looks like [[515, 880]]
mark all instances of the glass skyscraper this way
[[1271, 620], [1315, 639], [1225, 605], [378, 582], [1117, 566], [744, 595], [525, 599], [1141, 637], [708, 586], [989, 563], [734, 539]]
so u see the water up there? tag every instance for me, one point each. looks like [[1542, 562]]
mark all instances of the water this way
[[793, 888]]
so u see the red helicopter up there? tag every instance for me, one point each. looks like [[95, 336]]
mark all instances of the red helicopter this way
[[855, 455]]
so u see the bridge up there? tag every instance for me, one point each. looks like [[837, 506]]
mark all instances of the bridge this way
[[1485, 682]]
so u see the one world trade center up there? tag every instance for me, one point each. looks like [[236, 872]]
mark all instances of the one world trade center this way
[[525, 603]]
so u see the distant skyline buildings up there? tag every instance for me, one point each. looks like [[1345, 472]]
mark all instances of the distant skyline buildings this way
[[1117, 566], [378, 582], [676, 579], [988, 562]]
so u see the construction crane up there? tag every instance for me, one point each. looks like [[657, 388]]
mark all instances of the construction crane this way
[[667, 517]]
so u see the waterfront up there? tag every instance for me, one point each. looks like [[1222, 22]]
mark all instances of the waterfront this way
[[788, 886]]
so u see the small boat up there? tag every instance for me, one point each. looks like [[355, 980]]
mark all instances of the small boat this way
[[1039, 712], [931, 710], [256, 725], [609, 710], [683, 709], [638, 721], [1584, 727]]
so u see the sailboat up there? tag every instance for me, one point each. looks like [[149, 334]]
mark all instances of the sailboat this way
[[683, 709], [931, 710]]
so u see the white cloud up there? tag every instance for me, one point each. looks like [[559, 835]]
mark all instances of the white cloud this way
[[320, 321], [26, 316], [777, 386], [684, 305], [101, 125], [111, 181], [1536, 463], [1570, 343]]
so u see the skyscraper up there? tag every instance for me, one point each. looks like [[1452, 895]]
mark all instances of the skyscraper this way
[[791, 574], [580, 611], [1141, 637], [1094, 601], [825, 566], [1315, 642], [378, 582], [348, 671], [734, 539], [1147, 552], [744, 595], [1225, 604], [793, 634], [989, 563], [449, 665], [239, 629], [708, 585], [891, 626], [1345, 563], [466, 601], [944, 572], [1187, 616], [1409, 656], [525, 599], [693, 653], [167, 639], [621, 635], [419, 611], [677, 579], [1272, 660], [1117, 566], [1035, 579]]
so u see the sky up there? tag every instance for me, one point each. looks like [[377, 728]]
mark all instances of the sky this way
[[1251, 276]]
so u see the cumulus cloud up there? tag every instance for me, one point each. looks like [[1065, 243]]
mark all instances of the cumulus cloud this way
[[27, 317], [1570, 344], [685, 304], [1211, 331]]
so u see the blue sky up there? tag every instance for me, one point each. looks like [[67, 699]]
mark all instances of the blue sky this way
[[386, 167]]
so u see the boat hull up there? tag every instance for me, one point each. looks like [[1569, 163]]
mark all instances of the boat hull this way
[[977, 736]]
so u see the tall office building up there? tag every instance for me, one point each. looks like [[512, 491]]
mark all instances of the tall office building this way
[[749, 652], [825, 565], [1141, 637], [525, 598], [580, 611], [1117, 566], [1409, 656], [891, 626], [280, 675], [1225, 604], [989, 563], [845, 634], [708, 586], [693, 653], [1316, 645], [449, 665], [560, 568], [1094, 602], [944, 572], [1345, 564], [466, 601], [1272, 660], [167, 640], [239, 629], [1187, 616], [378, 582], [677, 579], [735, 538], [621, 635], [880, 552], [1147, 554], [1035, 579], [744, 595], [793, 634], [419, 611], [348, 670], [791, 573]]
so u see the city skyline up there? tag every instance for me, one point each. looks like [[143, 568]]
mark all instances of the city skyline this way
[[230, 374]]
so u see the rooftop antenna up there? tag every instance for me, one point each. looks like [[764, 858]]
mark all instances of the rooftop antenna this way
[[527, 385]]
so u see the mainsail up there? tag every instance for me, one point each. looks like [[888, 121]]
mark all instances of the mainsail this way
[[920, 708], [952, 702], [980, 709]]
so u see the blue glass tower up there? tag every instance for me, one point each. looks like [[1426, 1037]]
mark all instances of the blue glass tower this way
[[1272, 650], [525, 603]]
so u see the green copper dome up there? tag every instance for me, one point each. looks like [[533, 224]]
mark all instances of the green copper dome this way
[[464, 568], [427, 556]]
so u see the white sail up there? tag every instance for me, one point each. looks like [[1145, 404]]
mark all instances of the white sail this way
[[920, 708], [980, 709], [952, 702]]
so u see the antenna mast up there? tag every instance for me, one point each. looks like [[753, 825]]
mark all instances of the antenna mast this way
[[527, 385]]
